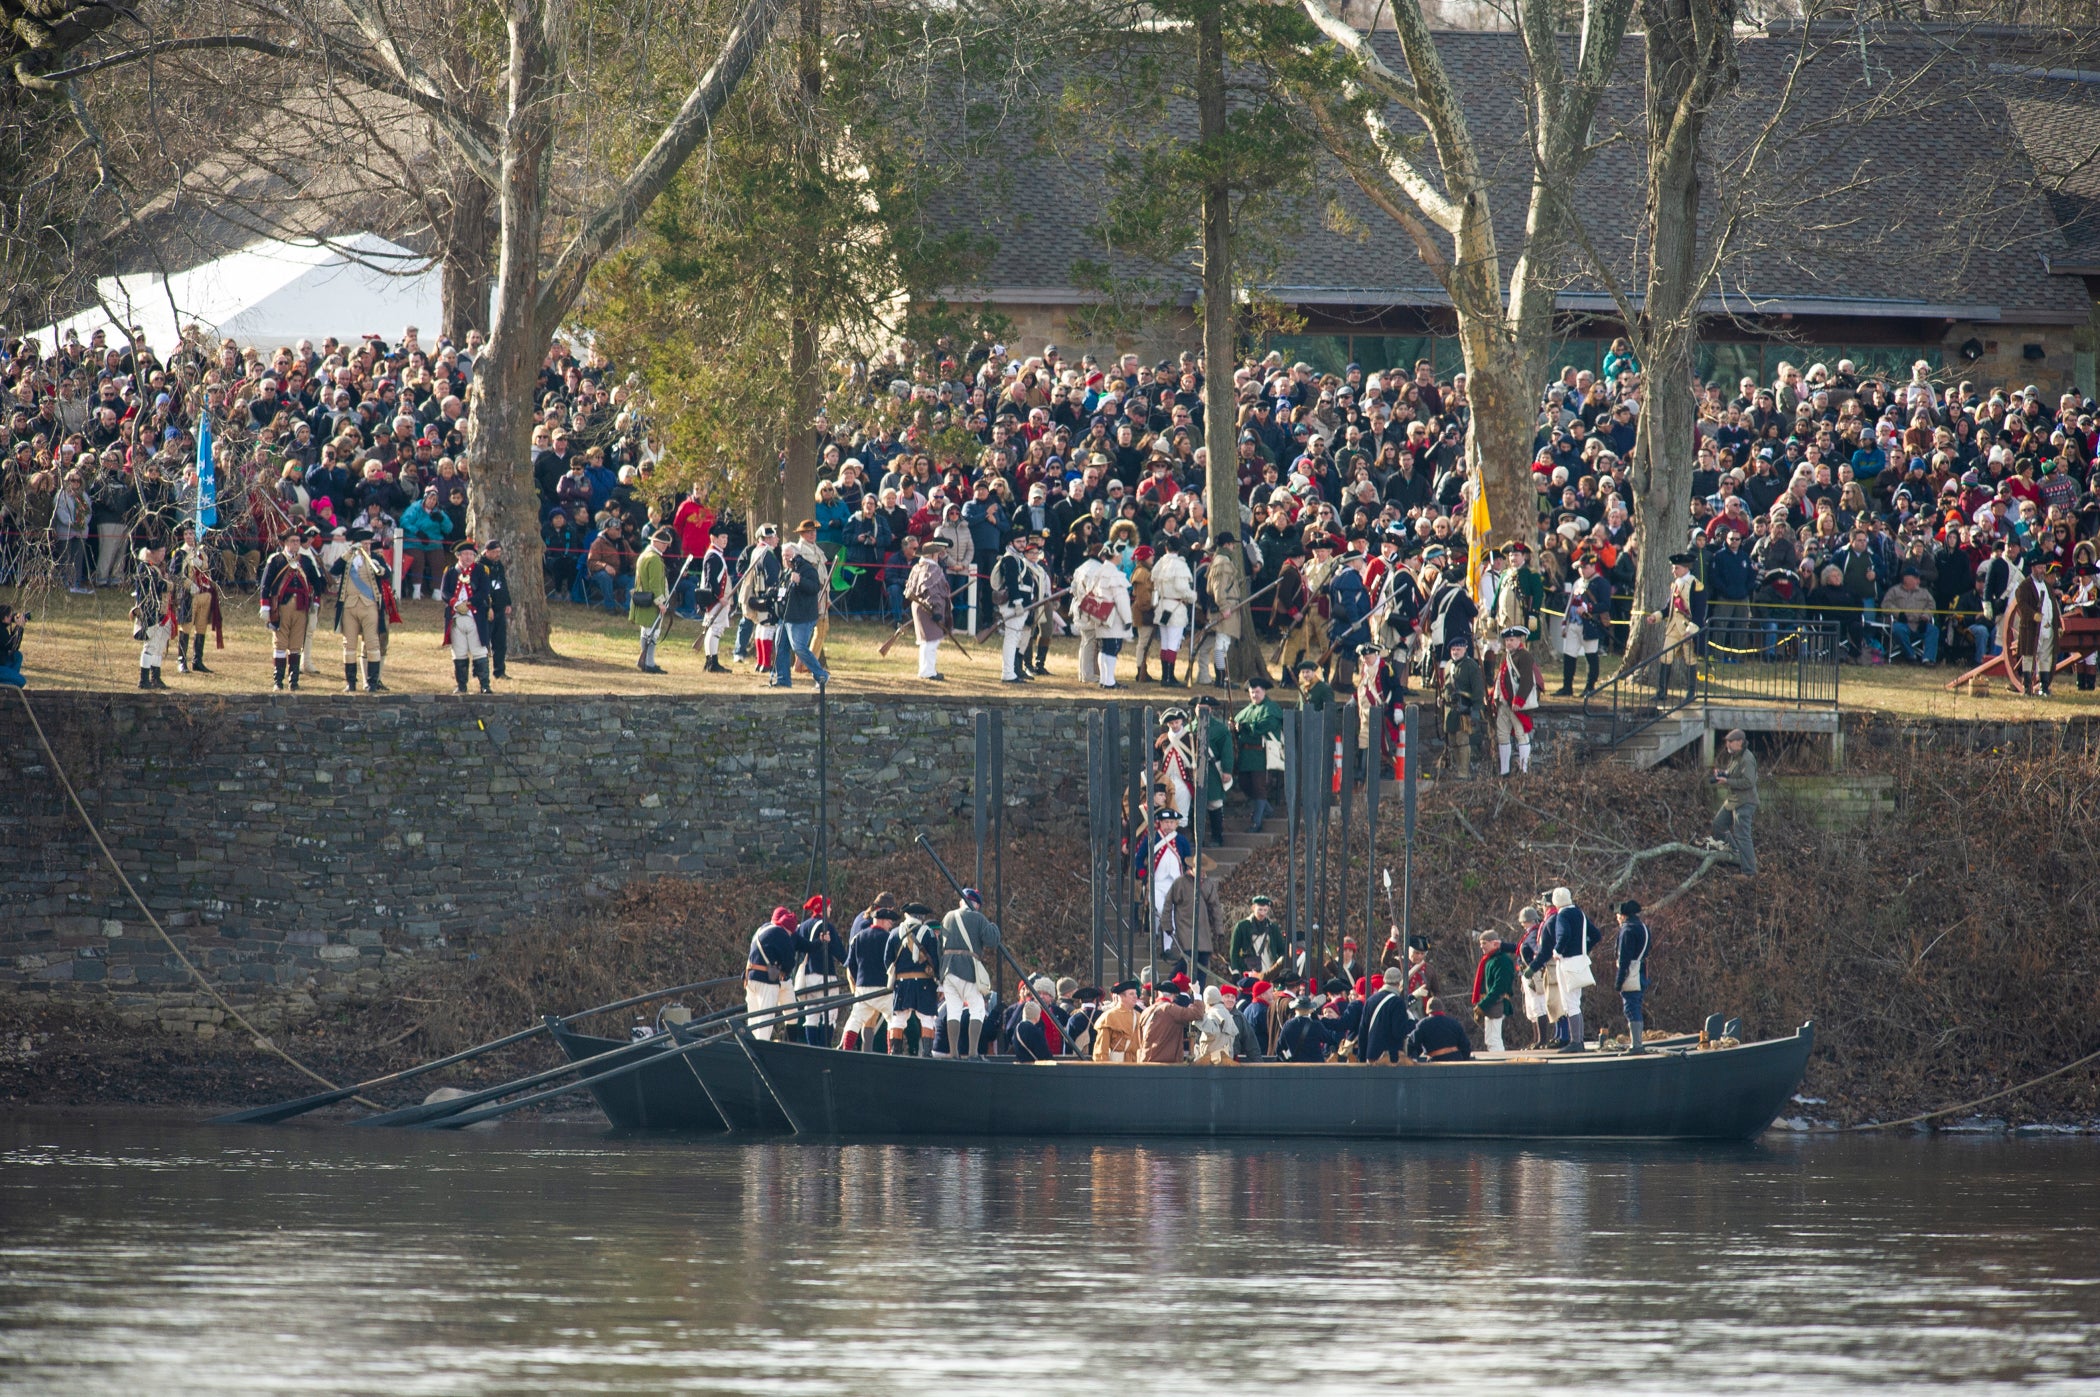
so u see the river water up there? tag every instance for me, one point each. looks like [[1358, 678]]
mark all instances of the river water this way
[[146, 1256]]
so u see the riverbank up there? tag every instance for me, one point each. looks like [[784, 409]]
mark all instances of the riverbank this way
[[1947, 949]]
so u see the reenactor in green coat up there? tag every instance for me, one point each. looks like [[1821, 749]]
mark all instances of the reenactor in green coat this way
[[1257, 940], [1494, 987], [1252, 728], [1465, 703], [649, 603], [1314, 692]]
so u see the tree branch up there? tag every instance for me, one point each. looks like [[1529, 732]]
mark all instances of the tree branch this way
[[475, 140], [1708, 858], [476, 149], [607, 228]]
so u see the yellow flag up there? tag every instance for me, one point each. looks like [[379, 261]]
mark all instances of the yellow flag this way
[[1481, 528]]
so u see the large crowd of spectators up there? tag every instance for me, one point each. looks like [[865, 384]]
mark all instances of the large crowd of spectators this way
[[1878, 501]]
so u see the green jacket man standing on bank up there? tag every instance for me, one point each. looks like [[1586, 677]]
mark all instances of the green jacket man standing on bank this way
[[1252, 726], [1257, 939], [1732, 822]]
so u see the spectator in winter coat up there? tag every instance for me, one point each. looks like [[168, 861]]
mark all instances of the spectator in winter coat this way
[[423, 529]]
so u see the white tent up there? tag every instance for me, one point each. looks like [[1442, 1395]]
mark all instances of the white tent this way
[[271, 293]]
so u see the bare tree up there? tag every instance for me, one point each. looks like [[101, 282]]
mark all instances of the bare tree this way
[[553, 228], [1439, 191]]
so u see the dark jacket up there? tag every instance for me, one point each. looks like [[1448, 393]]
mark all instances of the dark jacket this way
[[1440, 1038], [801, 591], [1385, 1032], [1633, 946], [1573, 932]]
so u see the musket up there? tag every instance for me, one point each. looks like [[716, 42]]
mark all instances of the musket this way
[[661, 626], [1061, 592], [1211, 629]]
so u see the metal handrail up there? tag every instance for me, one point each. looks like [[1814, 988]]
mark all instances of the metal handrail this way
[[1634, 697], [1772, 661], [1782, 663]]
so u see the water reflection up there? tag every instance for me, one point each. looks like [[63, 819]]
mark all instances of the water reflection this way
[[156, 1258]]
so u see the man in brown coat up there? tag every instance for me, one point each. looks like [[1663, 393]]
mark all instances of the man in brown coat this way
[[1192, 916], [1227, 583], [2031, 629], [1163, 1030], [1116, 1030]]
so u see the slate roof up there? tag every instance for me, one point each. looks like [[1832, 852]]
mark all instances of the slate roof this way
[[2057, 120], [1857, 217]]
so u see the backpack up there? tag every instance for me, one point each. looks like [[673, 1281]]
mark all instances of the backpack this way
[[1000, 591]]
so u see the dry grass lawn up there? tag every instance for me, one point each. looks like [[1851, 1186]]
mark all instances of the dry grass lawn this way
[[85, 643]]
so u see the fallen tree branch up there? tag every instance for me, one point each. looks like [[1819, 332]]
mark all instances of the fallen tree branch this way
[[1708, 858]]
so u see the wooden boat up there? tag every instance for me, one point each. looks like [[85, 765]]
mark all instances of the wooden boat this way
[[1729, 1093], [661, 1096]]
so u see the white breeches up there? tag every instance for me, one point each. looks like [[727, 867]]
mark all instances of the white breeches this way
[[957, 995]]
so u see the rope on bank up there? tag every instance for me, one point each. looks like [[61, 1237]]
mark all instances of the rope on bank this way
[[262, 1040], [1981, 1100]]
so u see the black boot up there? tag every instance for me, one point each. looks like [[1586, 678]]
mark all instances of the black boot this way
[[459, 676], [1567, 678], [1042, 659], [277, 675], [349, 676], [1591, 687], [2085, 679], [197, 664], [1216, 820], [182, 655], [292, 668], [714, 665], [145, 677], [481, 675], [372, 684], [158, 683]]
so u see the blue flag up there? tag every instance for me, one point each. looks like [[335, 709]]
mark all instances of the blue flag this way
[[207, 476]]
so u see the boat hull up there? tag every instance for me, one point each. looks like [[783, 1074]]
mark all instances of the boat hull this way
[[1723, 1094], [661, 1096]]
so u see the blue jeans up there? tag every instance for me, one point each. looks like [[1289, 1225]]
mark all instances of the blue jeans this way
[[611, 590], [1980, 635], [1906, 640], [799, 635]]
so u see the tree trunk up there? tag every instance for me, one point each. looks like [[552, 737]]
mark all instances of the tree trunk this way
[[798, 484], [1221, 488], [1502, 395], [470, 236], [504, 502], [1683, 76]]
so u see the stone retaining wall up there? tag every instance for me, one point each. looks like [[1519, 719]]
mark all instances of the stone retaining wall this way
[[319, 845]]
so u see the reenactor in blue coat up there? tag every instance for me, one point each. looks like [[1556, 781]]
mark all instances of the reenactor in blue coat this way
[[867, 968], [1438, 1037], [1386, 1022], [1631, 976], [914, 968], [1306, 1038]]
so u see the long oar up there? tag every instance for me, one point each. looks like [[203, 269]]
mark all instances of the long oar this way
[[461, 1119], [430, 1110], [285, 1110]]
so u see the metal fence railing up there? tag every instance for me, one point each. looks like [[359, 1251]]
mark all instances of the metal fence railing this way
[[1791, 664], [1739, 662]]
